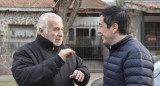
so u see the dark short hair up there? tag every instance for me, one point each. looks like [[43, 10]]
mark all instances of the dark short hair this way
[[116, 14]]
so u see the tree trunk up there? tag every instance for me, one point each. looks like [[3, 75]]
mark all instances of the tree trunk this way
[[62, 8]]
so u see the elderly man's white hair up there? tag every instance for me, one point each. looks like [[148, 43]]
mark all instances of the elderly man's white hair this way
[[43, 21]]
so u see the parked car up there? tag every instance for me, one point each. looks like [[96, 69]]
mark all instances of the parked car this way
[[157, 73]]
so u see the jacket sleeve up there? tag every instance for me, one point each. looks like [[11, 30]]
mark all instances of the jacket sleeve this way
[[84, 69], [26, 73], [138, 69]]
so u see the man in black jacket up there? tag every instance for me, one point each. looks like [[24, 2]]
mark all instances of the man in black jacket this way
[[128, 63], [46, 61]]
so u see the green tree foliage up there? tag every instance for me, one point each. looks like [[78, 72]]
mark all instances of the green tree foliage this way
[[116, 3]]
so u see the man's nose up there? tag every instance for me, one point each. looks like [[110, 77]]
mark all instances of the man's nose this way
[[60, 33], [98, 31]]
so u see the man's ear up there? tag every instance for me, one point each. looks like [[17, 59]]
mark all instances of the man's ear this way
[[115, 27], [41, 32]]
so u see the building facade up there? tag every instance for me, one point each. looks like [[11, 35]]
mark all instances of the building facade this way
[[18, 26], [145, 22]]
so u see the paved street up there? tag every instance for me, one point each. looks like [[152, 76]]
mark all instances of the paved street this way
[[94, 76]]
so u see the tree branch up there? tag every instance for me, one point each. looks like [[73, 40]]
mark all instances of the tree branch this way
[[71, 18]]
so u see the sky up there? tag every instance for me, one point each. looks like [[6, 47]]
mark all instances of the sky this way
[[108, 0]]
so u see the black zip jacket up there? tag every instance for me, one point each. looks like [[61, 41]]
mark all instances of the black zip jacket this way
[[37, 64]]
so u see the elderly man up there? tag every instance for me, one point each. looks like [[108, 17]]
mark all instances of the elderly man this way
[[46, 61]]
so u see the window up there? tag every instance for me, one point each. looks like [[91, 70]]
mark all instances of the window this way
[[93, 34], [71, 34], [82, 32], [152, 36], [82, 36], [20, 34]]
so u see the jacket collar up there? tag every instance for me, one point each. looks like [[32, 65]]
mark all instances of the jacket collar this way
[[121, 42], [44, 42]]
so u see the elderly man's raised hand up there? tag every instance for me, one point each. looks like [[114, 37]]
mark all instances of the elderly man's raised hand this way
[[66, 53]]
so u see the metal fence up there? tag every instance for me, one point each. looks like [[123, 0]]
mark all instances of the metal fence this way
[[8, 48], [89, 49], [85, 47]]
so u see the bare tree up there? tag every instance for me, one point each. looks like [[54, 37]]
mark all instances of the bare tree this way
[[62, 8]]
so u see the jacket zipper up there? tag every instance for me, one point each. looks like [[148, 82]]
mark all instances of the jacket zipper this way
[[109, 54]]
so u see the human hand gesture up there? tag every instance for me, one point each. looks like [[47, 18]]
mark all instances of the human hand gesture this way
[[66, 53], [78, 75]]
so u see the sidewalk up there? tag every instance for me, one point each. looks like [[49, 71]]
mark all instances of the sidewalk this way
[[6, 78], [94, 76]]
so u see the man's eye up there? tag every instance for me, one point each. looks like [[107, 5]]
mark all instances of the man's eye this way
[[58, 29], [55, 29], [100, 25]]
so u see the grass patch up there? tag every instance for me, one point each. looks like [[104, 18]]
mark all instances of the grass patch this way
[[8, 83]]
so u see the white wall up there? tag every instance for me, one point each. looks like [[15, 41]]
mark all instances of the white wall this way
[[86, 22], [136, 25]]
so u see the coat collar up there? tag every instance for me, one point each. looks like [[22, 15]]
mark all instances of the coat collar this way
[[121, 42], [44, 42]]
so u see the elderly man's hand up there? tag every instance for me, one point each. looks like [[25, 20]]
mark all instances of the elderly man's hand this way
[[66, 53], [78, 75]]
